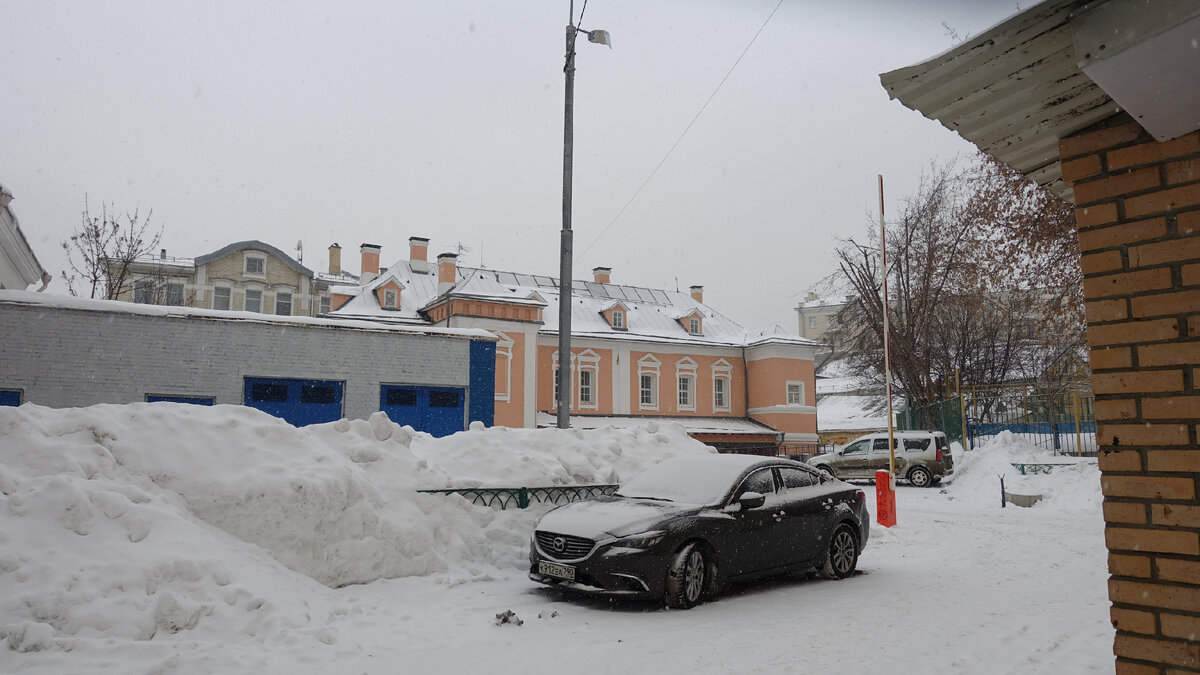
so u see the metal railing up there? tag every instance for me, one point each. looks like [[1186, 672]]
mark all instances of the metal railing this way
[[1061, 422], [522, 497]]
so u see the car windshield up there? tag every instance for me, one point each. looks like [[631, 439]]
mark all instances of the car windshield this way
[[687, 481]]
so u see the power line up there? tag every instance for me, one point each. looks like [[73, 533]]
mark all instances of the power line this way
[[685, 131]]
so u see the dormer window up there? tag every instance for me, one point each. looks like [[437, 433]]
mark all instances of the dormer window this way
[[255, 265], [617, 316], [388, 294], [694, 326]]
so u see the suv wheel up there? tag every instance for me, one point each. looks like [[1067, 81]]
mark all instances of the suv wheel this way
[[920, 477]]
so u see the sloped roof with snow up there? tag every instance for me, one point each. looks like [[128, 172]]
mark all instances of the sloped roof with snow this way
[[652, 313]]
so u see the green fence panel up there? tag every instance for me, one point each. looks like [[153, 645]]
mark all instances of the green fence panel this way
[[522, 497]]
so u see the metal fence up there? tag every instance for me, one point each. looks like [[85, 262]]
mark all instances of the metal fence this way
[[1062, 422], [522, 497]]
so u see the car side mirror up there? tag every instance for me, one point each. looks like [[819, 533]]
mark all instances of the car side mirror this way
[[752, 500]]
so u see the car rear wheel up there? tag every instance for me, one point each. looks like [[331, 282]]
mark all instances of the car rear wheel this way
[[829, 470], [686, 577], [842, 556], [920, 477]]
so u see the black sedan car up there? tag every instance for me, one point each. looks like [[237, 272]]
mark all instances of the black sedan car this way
[[683, 527]]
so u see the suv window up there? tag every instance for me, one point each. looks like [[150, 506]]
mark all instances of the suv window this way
[[942, 443], [881, 444], [860, 446], [916, 444]]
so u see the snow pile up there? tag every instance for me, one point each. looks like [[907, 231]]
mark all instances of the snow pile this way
[[141, 520], [977, 475]]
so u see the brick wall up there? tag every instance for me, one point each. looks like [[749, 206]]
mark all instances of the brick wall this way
[[63, 357], [1138, 206]]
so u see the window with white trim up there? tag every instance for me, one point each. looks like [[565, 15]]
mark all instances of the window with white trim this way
[[795, 393], [722, 378], [685, 384], [283, 304], [325, 304], [721, 393], [587, 369], [812, 322], [648, 390], [694, 326], [221, 297], [389, 298], [255, 266], [618, 319], [253, 301], [648, 367], [503, 366], [686, 401], [586, 384]]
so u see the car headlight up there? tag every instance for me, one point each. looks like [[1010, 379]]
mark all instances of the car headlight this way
[[641, 540]]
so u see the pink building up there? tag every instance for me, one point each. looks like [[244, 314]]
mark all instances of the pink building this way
[[636, 353]]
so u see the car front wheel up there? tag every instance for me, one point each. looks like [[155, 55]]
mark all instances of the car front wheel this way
[[920, 477], [842, 556], [686, 577]]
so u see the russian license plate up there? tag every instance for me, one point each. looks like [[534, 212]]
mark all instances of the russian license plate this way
[[559, 571]]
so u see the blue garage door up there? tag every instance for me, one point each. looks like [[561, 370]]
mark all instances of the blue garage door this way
[[439, 411], [10, 397], [300, 402]]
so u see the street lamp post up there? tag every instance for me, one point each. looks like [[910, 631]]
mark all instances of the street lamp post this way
[[566, 240]]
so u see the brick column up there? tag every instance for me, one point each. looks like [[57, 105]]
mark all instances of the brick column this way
[[1138, 207]]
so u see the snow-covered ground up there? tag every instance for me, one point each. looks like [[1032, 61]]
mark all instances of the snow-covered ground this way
[[163, 538]]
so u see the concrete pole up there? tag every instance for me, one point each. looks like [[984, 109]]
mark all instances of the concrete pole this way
[[566, 247]]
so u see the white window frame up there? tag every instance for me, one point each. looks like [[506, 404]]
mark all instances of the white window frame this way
[[247, 257], [290, 300], [685, 385], [799, 384], [648, 366], [812, 322], [618, 319], [390, 298], [504, 364], [217, 290], [694, 325], [586, 361], [246, 300], [326, 303], [722, 371]]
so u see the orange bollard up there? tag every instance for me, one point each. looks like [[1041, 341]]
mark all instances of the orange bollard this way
[[885, 497]]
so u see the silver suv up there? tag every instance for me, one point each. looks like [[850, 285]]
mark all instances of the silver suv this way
[[923, 457]]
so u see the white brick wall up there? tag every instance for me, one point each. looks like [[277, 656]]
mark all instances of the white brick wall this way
[[66, 357]]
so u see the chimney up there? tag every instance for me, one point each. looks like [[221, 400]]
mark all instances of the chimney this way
[[370, 263], [698, 294], [418, 254], [602, 274], [447, 271], [335, 259], [162, 254]]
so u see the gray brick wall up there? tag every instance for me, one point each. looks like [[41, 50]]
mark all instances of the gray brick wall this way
[[64, 357]]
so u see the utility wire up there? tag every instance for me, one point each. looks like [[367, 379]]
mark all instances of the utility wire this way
[[686, 129]]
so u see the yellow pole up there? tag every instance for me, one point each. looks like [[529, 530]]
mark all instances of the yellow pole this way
[[962, 404]]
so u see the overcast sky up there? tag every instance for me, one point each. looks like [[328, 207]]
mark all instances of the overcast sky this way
[[375, 121]]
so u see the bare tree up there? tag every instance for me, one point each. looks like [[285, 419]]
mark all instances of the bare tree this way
[[103, 248], [972, 285]]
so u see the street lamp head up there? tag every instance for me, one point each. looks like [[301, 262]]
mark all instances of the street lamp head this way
[[599, 37]]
